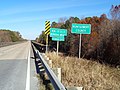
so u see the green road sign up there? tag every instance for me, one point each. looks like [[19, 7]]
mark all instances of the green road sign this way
[[81, 28], [58, 38], [57, 32]]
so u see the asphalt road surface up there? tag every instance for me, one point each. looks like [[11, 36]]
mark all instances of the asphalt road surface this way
[[14, 67]]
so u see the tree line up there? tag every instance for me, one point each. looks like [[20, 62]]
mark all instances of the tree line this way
[[10, 36], [102, 44]]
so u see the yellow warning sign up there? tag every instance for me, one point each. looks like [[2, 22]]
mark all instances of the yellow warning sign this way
[[47, 27]]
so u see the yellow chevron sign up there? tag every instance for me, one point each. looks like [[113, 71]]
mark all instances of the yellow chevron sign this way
[[47, 27]]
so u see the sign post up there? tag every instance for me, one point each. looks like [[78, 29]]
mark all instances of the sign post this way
[[47, 32], [46, 43], [57, 47], [80, 47], [81, 29]]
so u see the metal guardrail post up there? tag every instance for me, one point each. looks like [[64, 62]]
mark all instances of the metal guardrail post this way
[[53, 78]]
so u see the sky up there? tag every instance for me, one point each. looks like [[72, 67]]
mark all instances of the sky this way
[[29, 16]]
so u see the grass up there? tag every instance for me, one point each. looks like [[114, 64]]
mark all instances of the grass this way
[[91, 75], [41, 86], [44, 83]]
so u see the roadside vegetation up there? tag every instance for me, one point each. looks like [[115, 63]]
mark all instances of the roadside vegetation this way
[[99, 66], [86, 73], [10, 36], [102, 44]]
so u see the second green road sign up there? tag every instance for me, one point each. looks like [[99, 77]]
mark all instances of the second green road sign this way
[[81, 28]]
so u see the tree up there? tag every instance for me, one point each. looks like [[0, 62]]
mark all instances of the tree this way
[[10, 36], [42, 38], [62, 20], [109, 42], [115, 12], [54, 24]]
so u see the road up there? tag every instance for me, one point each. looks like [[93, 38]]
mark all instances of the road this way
[[14, 67]]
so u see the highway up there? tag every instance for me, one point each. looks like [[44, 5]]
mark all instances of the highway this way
[[15, 73]]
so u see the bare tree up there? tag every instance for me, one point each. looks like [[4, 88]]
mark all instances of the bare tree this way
[[62, 20]]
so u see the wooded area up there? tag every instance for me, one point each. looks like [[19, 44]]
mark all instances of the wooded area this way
[[10, 36], [102, 44]]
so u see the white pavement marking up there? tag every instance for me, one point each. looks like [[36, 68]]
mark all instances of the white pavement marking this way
[[28, 73]]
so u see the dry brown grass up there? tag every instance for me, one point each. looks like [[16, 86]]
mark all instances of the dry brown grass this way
[[89, 74]]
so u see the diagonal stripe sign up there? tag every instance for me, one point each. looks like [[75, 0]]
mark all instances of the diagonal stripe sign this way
[[47, 27]]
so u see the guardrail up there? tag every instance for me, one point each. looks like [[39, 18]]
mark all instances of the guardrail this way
[[53, 78]]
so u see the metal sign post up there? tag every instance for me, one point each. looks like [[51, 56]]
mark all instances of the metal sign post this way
[[57, 47], [80, 47], [47, 44]]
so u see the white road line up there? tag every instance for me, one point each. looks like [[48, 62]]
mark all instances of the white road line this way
[[28, 73]]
